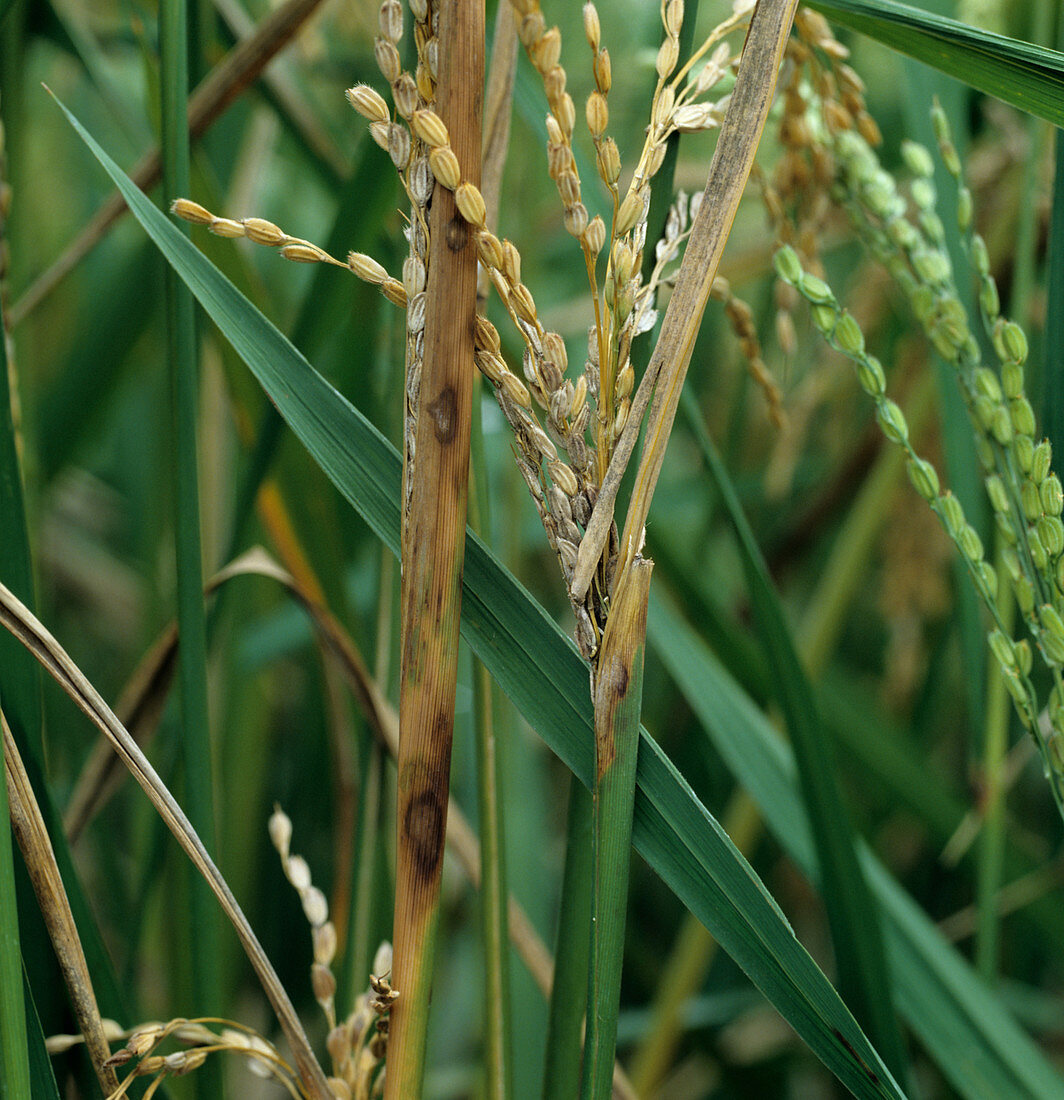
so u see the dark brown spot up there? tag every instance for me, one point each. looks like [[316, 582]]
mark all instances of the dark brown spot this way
[[423, 829], [444, 413], [457, 233], [442, 731], [613, 676], [622, 682]]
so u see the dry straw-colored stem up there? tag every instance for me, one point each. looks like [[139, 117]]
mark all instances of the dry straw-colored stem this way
[[241, 66], [139, 708], [433, 549], [497, 109], [20, 621], [28, 826], [732, 160]]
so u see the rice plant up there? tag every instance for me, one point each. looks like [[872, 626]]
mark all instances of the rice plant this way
[[795, 725]]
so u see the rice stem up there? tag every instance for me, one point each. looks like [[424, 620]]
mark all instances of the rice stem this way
[[433, 550]]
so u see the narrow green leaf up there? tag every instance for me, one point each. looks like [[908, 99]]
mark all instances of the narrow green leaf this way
[[19, 694], [42, 1079], [864, 979], [568, 995], [1026, 76], [976, 1044], [1052, 417], [540, 670], [204, 922]]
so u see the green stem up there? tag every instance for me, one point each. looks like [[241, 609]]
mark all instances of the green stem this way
[[195, 740], [991, 855], [498, 1061], [958, 444], [568, 996], [21, 687], [618, 704], [992, 839], [498, 1058]]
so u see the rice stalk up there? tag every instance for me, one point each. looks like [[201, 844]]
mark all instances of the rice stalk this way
[[490, 749], [436, 479], [991, 806], [615, 745], [183, 354], [568, 1000], [29, 830], [618, 705], [1023, 490]]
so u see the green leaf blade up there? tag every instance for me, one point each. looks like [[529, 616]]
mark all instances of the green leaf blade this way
[[853, 915], [1026, 76]]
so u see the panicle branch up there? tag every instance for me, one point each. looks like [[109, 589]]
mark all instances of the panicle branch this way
[[295, 249]]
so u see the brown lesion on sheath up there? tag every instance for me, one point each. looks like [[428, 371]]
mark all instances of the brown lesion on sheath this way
[[622, 641], [620, 687], [444, 413], [612, 680], [457, 233], [605, 752], [610, 688], [424, 824]]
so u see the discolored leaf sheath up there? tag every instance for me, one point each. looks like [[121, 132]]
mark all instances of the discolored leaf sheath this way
[[618, 703], [433, 549]]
